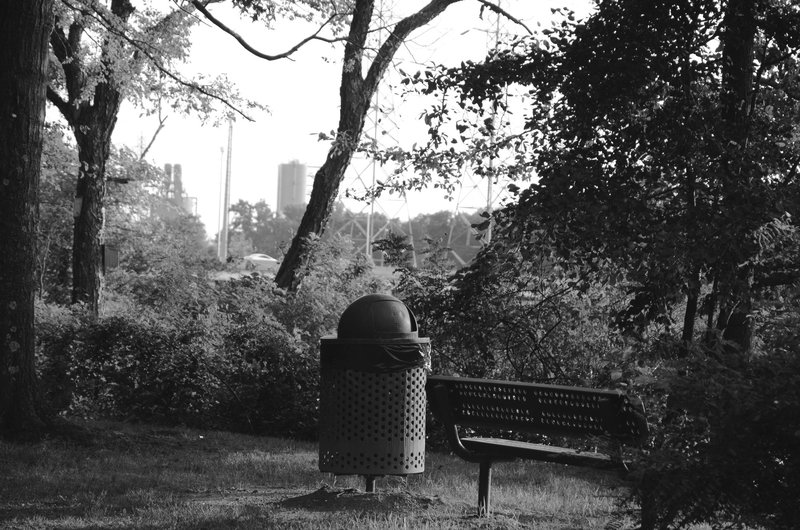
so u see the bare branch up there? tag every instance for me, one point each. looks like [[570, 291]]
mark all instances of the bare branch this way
[[500, 11], [161, 122], [314, 36]]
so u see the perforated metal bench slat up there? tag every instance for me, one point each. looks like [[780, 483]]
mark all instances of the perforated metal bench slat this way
[[545, 409]]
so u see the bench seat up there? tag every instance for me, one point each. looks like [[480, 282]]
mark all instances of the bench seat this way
[[501, 449]]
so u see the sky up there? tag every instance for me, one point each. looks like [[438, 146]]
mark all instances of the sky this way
[[302, 95]]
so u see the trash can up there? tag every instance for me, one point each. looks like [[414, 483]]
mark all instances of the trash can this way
[[372, 392]]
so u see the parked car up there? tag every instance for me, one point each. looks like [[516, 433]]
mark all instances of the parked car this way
[[260, 263]]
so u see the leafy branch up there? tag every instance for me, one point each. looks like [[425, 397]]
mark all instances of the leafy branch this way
[[108, 22]]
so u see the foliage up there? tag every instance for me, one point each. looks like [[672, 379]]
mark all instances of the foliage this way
[[663, 138], [726, 445], [259, 229], [333, 278], [240, 371], [154, 237], [266, 231], [174, 346], [54, 232], [530, 319], [395, 248], [642, 156]]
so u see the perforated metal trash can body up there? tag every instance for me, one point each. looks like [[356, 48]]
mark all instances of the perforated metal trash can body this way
[[372, 391]]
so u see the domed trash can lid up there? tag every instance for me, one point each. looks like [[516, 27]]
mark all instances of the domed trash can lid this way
[[376, 333], [377, 316]]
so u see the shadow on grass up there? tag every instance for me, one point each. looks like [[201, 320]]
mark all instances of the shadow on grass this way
[[327, 499]]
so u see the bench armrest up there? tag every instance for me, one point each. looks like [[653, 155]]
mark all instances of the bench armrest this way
[[440, 404]]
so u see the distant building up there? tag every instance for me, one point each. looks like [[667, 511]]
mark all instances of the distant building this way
[[174, 191], [291, 185]]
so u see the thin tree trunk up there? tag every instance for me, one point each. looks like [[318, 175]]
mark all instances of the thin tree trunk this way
[[24, 29], [690, 315], [738, 43], [355, 94]]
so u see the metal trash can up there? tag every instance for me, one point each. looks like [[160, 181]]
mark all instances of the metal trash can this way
[[372, 392]]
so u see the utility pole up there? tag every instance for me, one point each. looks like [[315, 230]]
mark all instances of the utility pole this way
[[222, 247]]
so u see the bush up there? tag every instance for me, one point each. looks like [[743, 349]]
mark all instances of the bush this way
[[244, 374], [239, 354], [727, 446], [527, 320]]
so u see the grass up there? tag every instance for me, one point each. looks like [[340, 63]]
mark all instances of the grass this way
[[141, 476]]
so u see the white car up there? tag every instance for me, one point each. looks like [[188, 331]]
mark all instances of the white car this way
[[260, 262]]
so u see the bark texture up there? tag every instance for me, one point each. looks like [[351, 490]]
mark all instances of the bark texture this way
[[24, 29]]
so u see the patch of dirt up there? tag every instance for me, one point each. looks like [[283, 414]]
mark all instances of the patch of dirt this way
[[328, 499]]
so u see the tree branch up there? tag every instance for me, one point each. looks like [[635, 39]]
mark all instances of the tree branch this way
[[63, 107], [315, 36], [161, 122], [65, 48], [398, 35], [500, 11], [95, 13]]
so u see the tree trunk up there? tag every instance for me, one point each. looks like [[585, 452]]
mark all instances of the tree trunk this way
[[690, 315], [735, 280], [24, 29], [92, 120], [326, 182], [355, 94], [90, 191]]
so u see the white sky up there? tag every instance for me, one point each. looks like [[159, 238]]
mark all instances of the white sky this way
[[303, 99]]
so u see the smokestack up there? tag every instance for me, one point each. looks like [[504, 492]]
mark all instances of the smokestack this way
[[168, 179], [177, 175]]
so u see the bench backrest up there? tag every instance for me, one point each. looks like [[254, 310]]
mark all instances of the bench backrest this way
[[538, 408]]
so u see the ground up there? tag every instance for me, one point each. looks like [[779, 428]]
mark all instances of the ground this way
[[119, 475]]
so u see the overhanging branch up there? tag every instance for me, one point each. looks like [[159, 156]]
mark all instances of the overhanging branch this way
[[314, 36], [500, 11]]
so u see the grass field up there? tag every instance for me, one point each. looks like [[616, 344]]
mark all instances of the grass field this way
[[119, 475]]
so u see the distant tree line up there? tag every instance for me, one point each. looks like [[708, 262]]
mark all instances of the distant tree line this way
[[256, 228]]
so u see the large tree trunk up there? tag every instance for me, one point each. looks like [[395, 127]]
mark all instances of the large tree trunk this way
[[355, 93], [24, 29]]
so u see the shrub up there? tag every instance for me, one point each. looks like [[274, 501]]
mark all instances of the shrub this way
[[214, 371], [527, 320], [727, 446], [332, 280], [237, 354]]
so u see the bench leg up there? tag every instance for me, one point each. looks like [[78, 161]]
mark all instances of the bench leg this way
[[485, 490]]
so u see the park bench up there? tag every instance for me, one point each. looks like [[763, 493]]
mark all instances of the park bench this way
[[505, 406]]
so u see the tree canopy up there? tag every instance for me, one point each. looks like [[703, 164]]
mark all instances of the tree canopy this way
[[662, 137]]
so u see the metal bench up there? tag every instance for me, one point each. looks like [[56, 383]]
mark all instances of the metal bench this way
[[460, 402]]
